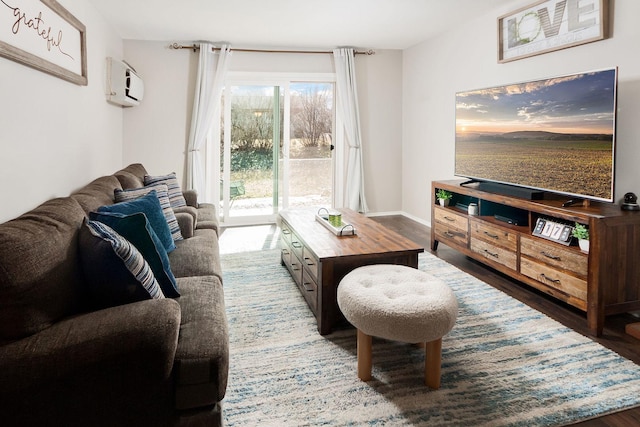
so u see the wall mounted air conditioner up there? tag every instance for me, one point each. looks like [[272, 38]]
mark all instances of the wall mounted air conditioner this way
[[126, 88]]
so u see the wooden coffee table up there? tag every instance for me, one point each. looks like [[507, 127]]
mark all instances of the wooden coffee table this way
[[318, 259]]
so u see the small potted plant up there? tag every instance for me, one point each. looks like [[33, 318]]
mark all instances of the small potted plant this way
[[443, 197], [581, 232]]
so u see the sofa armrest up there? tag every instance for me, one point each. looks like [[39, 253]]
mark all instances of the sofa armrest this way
[[191, 197], [186, 223], [135, 342]]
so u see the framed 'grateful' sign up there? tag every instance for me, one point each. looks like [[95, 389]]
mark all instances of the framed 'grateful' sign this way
[[44, 35], [550, 25]]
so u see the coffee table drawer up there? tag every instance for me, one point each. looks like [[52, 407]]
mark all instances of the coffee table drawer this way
[[285, 232], [311, 263], [296, 246], [309, 289]]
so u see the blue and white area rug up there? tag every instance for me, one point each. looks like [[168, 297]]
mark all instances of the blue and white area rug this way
[[503, 364]]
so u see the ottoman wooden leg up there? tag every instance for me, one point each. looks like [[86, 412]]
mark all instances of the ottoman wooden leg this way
[[364, 356], [432, 363]]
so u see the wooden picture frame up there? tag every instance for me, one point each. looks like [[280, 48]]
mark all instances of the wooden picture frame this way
[[550, 25], [43, 35]]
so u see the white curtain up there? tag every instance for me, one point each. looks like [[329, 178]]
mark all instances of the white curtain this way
[[212, 68], [347, 95]]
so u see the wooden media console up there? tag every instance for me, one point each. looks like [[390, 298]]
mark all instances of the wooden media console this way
[[604, 281]]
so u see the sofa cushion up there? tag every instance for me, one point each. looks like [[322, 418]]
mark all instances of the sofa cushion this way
[[197, 256], [97, 193], [202, 356], [132, 176], [115, 271], [149, 204], [40, 281], [137, 230], [173, 187], [163, 198]]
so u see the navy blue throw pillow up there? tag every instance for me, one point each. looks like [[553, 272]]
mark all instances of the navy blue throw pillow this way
[[137, 230]]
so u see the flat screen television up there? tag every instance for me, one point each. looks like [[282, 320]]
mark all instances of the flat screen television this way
[[555, 134]]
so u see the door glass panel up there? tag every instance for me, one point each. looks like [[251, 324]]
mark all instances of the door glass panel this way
[[310, 167], [253, 174]]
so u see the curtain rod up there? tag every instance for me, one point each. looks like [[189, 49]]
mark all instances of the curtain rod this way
[[195, 47]]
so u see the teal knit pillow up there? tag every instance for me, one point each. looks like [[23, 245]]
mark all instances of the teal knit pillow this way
[[148, 204], [163, 198]]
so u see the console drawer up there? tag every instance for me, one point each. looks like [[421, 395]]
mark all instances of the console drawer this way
[[554, 255], [493, 234], [554, 278], [451, 219], [495, 253], [450, 226]]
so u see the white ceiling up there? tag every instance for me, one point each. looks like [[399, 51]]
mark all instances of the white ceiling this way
[[381, 24]]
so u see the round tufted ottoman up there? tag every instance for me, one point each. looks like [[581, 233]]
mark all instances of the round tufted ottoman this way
[[398, 303]]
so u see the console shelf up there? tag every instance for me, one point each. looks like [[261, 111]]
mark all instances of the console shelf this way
[[604, 281]]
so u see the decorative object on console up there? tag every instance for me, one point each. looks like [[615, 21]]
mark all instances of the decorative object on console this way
[[630, 203], [443, 197], [581, 232], [554, 230], [533, 30]]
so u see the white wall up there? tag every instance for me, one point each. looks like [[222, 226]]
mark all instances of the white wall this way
[[466, 58], [56, 136], [156, 132]]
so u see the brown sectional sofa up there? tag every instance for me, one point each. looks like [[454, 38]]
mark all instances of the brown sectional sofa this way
[[159, 362]]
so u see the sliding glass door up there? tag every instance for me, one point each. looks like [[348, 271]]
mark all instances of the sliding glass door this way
[[275, 149]]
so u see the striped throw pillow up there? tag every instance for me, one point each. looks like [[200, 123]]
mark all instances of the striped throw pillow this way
[[171, 181], [132, 260], [163, 197]]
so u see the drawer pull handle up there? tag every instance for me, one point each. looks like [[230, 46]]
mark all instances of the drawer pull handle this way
[[549, 278], [495, 255], [493, 236], [285, 252], [554, 257], [449, 234], [285, 231], [296, 245], [295, 266], [308, 261], [448, 218], [307, 287]]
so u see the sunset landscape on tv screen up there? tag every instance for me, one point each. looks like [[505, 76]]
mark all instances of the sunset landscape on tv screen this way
[[554, 134]]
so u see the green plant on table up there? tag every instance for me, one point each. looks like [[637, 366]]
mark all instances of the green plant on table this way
[[443, 194], [580, 231]]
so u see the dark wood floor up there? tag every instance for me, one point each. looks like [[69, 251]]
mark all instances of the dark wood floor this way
[[613, 335]]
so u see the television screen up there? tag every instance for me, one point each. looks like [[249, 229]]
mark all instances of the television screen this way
[[555, 134]]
